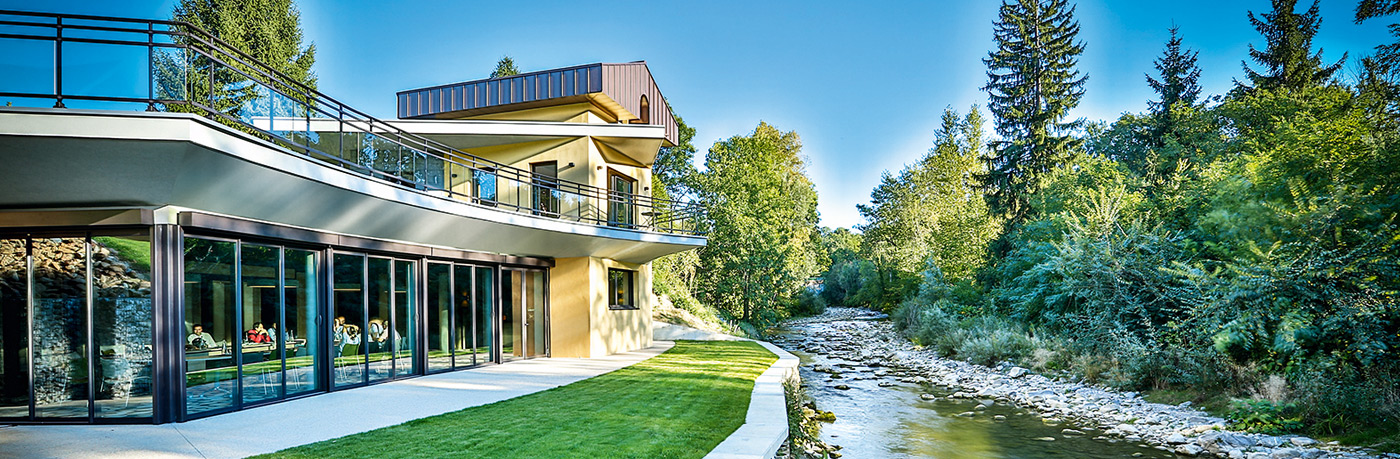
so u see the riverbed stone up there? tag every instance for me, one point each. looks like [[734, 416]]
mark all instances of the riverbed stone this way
[[1188, 450]]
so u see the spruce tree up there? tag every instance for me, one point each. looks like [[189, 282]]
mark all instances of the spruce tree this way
[[1388, 55], [1179, 78], [1032, 85], [504, 68], [1287, 59]]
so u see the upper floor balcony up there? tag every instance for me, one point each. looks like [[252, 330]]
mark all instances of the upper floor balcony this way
[[161, 66]]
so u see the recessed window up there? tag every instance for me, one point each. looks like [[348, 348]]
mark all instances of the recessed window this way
[[622, 291], [645, 114]]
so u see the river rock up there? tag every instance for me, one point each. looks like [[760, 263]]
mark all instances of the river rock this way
[[1044, 438], [1188, 450], [843, 387], [1302, 441], [1015, 372], [1176, 439], [998, 418], [967, 414], [928, 396]]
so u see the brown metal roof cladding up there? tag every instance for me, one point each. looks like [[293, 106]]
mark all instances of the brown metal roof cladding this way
[[618, 88]]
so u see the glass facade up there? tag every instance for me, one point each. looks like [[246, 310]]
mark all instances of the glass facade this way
[[84, 303], [254, 322], [251, 321]]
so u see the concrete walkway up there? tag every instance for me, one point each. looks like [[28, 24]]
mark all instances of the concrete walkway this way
[[312, 419]]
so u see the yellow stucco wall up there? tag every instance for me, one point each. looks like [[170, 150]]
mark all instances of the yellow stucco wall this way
[[581, 325]]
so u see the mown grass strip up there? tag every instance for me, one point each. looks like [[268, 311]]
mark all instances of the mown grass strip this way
[[679, 404]]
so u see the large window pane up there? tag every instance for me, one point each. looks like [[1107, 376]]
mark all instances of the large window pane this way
[[14, 329], [262, 354], [485, 285], [302, 336], [378, 342], [349, 325], [464, 348], [122, 320], [60, 328], [210, 310], [439, 316], [405, 317]]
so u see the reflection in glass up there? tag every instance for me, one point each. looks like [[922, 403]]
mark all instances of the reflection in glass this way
[[464, 348], [122, 321], [405, 318], [349, 323], [302, 337], [14, 329], [60, 328], [439, 316], [262, 354], [485, 285], [209, 324], [378, 333]]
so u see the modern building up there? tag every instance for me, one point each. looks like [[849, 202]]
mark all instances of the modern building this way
[[186, 232]]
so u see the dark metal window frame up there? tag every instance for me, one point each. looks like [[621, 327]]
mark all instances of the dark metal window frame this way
[[630, 277]]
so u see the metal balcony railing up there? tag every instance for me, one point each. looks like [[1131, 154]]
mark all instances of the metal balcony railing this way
[[176, 67]]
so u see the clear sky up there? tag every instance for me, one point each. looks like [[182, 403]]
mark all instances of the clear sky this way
[[863, 83]]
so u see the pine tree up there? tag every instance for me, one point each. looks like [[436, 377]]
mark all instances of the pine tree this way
[[1387, 56], [1032, 85], [1285, 58], [1179, 78], [504, 68]]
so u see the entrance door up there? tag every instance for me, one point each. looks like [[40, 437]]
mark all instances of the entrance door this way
[[524, 326]]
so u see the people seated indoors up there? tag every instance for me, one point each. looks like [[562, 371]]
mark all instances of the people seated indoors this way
[[257, 334], [378, 335], [272, 332], [199, 340]]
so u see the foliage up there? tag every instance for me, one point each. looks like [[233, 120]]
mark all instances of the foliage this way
[[762, 210], [1266, 417], [1287, 59], [269, 31], [1032, 85], [504, 68]]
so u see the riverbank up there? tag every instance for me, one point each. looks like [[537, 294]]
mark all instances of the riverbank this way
[[1084, 411]]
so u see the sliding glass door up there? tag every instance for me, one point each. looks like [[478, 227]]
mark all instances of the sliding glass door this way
[[251, 333], [75, 328], [460, 311], [375, 319]]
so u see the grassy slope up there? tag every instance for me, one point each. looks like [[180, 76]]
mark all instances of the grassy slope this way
[[678, 404]]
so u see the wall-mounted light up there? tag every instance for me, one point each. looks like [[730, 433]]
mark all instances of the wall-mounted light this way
[[600, 168], [567, 166]]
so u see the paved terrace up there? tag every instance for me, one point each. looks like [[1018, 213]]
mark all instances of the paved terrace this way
[[312, 419]]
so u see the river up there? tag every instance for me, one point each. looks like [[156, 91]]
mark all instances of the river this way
[[883, 414]]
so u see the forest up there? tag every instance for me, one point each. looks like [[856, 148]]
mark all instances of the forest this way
[[1235, 250]]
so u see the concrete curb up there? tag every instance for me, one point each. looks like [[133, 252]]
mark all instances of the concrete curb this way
[[766, 425]]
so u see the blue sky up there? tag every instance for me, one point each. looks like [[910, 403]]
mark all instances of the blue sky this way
[[863, 83]]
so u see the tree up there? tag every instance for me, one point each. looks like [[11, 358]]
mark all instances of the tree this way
[[268, 31], [1178, 84], [1287, 59], [674, 171], [1032, 85], [930, 212], [504, 68], [762, 209]]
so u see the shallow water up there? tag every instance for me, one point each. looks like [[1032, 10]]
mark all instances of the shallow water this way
[[894, 422]]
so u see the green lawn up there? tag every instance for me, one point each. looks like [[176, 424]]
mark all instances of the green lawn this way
[[678, 404]]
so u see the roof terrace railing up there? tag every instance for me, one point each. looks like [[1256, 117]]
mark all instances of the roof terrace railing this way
[[172, 66]]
